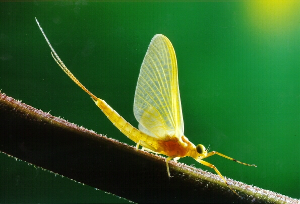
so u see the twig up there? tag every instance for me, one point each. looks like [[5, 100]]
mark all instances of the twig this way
[[82, 155]]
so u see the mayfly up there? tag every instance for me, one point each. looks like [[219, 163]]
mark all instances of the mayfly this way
[[157, 107]]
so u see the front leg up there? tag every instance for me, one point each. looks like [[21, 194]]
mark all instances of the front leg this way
[[227, 157]]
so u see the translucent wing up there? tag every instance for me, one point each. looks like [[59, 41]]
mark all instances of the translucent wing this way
[[157, 105]]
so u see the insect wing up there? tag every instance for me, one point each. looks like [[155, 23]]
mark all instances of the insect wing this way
[[157, 105]]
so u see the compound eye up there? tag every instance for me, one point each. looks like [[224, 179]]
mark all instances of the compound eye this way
[[200, 149]]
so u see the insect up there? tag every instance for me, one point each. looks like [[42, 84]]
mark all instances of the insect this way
[[157, 107]]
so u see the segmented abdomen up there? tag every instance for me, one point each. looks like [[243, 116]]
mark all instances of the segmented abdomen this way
[[125, 127]]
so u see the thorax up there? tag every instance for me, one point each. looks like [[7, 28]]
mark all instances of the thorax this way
[[175, 147]]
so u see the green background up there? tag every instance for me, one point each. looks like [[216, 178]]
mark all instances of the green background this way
[[239, 71]]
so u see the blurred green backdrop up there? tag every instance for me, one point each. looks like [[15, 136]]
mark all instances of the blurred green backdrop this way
[[239, 71]]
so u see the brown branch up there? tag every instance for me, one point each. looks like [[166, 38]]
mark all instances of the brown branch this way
[[80, 154]]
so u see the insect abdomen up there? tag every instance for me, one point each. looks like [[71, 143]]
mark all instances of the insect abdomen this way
[[125, 127]]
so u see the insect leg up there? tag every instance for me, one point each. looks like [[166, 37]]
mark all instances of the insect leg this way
[[138, 144], [227, 157], [167, 163], [217, 171]]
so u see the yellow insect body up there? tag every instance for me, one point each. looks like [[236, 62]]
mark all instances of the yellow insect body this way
[[157, 106]]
